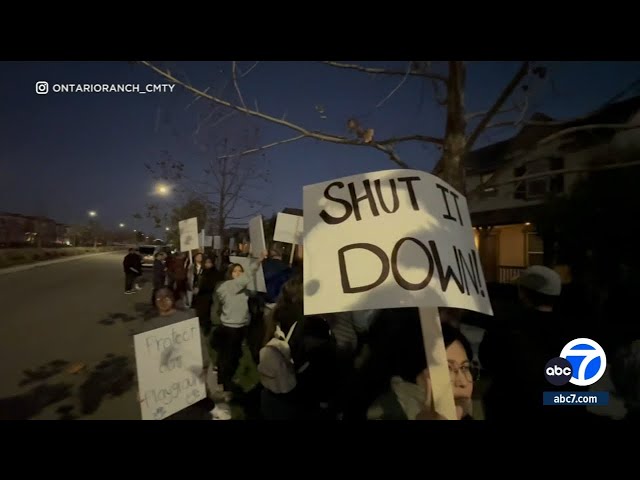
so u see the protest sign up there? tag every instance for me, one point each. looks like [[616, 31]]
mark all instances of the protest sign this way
[[256, 237], [169, 365], [188, 234], [389, 239], [395, 238]]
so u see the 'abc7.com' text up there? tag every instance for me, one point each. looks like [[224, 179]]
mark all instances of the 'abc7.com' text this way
[[44, 88], [582, 362]]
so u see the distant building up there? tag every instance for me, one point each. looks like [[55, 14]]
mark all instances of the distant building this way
[[503, 213], [18, 230]]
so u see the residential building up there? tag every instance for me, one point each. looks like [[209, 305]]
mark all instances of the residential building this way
[[23, 230], [522, 172]]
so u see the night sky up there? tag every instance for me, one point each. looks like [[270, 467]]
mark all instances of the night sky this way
[[64, 154]]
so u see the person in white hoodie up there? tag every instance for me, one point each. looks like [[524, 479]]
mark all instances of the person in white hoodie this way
[[232, 298]]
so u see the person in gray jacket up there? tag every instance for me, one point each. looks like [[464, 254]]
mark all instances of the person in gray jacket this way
[[232, 297]]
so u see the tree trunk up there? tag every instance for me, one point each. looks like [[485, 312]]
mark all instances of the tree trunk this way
[[455, 140]]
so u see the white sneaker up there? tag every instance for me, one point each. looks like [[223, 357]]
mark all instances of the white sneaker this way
[[129, 292], [221, 396], [222, 411], [138, 287]]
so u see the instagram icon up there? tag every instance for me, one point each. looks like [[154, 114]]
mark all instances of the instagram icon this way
[[42, 88]]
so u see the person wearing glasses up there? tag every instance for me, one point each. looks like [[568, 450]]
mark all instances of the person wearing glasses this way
[[409, 397]]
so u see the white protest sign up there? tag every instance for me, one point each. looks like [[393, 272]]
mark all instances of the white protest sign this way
[[257, 283], [217, 242], [205, 240], [389, 239], [256, 236], [232, 244], [188, 234], [289, 229], [396, 238], [169, 365]]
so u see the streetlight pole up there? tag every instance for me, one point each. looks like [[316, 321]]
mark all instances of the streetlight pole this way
[[92, 225]]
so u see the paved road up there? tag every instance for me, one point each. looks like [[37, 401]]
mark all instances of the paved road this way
[[58, 315]]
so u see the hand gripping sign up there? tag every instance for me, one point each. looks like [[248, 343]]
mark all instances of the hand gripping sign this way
[[395, 238]]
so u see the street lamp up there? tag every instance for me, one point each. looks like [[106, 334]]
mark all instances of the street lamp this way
[[167, 229], [162, 189], [93, 214], [122, 225]]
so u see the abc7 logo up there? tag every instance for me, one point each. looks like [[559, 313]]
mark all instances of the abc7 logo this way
[[42, 88], [582, 362]]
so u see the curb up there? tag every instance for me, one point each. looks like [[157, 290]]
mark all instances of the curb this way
[[29, 266]]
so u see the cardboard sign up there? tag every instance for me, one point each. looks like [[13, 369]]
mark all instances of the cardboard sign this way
[[256, 236], [289, 229], [169, 364], [217, 242], [389, 239], [189, 234]]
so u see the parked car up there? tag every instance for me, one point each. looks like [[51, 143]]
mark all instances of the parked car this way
[[148, 252]]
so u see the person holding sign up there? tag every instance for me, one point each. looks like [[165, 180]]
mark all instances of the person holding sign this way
[[171, 385], [410, 396], [233, 300], [203, 291]]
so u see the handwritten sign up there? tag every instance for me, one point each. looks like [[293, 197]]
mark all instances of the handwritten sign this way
[[389, 239], [169, 364], [188, 234]]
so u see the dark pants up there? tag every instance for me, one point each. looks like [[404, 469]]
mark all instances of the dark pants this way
[[202, 305], [181, 288], [129, 278], [257, 330], [229, 345]]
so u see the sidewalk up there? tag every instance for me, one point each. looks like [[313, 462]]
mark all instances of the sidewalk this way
[[44, 263]]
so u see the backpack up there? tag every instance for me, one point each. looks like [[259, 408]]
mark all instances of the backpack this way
[[276, 368]]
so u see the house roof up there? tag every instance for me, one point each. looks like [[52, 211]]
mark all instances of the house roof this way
[[25, 217], [505, 216], [486, 159], [293, 211]]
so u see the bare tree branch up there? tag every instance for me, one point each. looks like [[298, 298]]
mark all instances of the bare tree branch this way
[[264, 147], [602, 126], [195, 99], [552, 173], [234, 73], [384, 71], [437, 93], [409, 138], [307, 133], [249, 70], [381, 145], [471, 116], [502, 98], [404, 79]]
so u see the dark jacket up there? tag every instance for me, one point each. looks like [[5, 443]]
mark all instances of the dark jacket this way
[[276, 274], [132, 262], [514, 353], [207, 282], [159, 274]]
